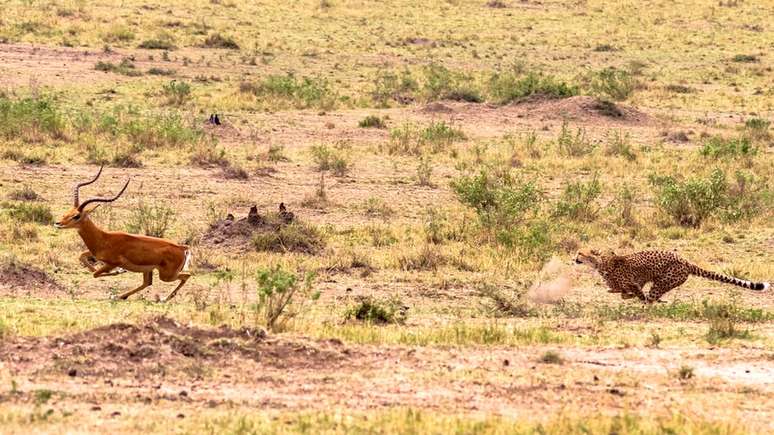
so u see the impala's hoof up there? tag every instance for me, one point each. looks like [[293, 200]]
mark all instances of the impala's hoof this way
[[120, 270]]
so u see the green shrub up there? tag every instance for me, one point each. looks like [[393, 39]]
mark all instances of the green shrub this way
[[118, 34], [157, 44], [281, 296], [436, 137], [497, 303], [372, 121], [618, 144], [29, 212], [507, 87], [757, 128], [379, 311], [578, 201], [126, 67], [389, 86], [294, 237], [745, 58], [425, 172], [176, 92], [442, 84], [500, 200], [612, 84], [161, 71], [332, 159], [377, 207], [165, 130], [721, 329], [719, 147], [691, 201], [425, 258], [574, 145], [30, 119], [151, 219], [551, 357], [216, 40], [289, 91]]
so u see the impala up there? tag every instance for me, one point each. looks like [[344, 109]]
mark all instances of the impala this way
[[132, 252]]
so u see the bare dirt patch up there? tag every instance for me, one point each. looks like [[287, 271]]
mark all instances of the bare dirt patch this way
[[16, 277], [584, 109]]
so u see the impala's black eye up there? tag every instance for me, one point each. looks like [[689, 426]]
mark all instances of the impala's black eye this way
[[77, 217]]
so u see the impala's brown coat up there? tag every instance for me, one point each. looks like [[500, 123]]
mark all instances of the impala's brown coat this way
[[132, 252]]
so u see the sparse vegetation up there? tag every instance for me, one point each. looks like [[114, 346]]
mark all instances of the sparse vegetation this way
[[377, 311], [507, 87], [152, 219], [334, 159], [612, 84], [282, 296], [288, 91], [372, 121]]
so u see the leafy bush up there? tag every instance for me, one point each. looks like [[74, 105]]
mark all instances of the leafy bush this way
[[436, 137], [380, 311], [281, 296], [304, 93], [126, 67], [157, 44], [390, 86], [29, 212], [690, 202], [30, 119], [442, 84], [576, 145], [372, 121], [719, 147], [757, 128], [294, 237], [578, 201], [506, 87], [611, 83], [500, 200], [618, 145], [176, 92], [151, 219], [216, 40], [332, 159]]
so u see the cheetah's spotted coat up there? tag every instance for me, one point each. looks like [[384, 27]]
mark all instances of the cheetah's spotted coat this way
[[628, 274]]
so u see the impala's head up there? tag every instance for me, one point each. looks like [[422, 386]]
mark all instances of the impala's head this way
[[79, 213]]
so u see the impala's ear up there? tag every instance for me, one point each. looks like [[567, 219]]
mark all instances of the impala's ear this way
[[87, 212]]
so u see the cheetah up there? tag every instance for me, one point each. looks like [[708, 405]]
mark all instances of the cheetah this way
[[628, 274]]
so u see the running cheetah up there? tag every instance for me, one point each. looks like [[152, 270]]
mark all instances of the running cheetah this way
[[628, 274]]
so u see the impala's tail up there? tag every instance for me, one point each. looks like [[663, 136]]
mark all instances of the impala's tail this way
[[187, 261], [698, 271]]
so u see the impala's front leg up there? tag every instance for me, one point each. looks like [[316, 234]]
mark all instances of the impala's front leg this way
[[84, 259]]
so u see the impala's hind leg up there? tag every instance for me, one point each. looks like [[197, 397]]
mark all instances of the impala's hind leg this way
[[147, 279], [183, 277]]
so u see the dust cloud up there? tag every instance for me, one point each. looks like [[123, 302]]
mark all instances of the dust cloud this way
[[553, 283]]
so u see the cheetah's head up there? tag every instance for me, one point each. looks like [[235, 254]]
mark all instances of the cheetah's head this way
[[591, 257]]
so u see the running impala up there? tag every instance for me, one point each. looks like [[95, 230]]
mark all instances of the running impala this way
[[132, 252]]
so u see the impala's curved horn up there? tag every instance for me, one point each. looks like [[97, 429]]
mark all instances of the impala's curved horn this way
[[93, 200], [79, 185]]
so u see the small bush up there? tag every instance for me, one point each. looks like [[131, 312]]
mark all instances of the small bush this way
[[25, 193], [680, 89], [500, 200], [289, 91], [425, 172], [30, 119], [426, 258], [498, 304], [26, 212], [685, 372], [161, 71], [332, 159], [436, 137], [166, 130], [443, 84], [151, 219], [504, 88], [574, 145], [372, 121], [176, 92], [611, 83], [377, 207], [551, 357], [719, 147], [379, 311], [157, 44], [623, 206], [125, 158], [295, 237], [721, 329], [745, 58], [618, 144], [578, 201], [126, 67], [118, 34], [216, 40], [282, 296], [207, 156], [757, 128], [691, 201], [389, 86]]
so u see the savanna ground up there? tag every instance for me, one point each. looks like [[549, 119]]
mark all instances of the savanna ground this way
[[443, 163]]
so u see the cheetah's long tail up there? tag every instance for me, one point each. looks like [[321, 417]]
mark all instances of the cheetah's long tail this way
[[698, 271]]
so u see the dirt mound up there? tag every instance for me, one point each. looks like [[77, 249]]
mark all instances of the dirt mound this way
[[436, 108], [160, 347], [275, 232], [582, 109], [17, 276]]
